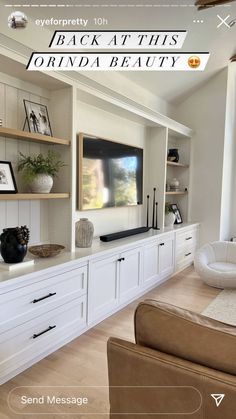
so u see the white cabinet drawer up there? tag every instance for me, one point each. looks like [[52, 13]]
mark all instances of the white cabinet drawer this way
[[186, 245], [185, 261], [30, 339], [185, 256], [31, 301], [188, 238]]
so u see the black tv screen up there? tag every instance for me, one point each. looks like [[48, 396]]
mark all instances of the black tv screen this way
[[112, 174]]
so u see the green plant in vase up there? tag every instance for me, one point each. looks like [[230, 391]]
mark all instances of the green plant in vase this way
[[39, 171]]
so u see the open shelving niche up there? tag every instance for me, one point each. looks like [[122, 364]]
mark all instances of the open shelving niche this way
[[47, 215], [181, 171], [161, 171], [61, 94]]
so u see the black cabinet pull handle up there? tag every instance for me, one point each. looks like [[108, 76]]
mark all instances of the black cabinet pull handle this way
[[36, 335], [162, 244], [187, 254], [43, 298], [120, 259], [188, 238], [123, 258]]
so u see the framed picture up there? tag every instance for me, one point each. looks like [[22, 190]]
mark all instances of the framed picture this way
[[7, 179], [176, 211], [37, 118]]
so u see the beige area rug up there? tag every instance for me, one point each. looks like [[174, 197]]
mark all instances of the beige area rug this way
[[223, 307]]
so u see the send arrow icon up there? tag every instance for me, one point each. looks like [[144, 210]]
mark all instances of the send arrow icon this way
[[218, 398]]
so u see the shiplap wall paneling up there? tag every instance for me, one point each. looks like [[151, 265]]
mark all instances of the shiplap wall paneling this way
[[61, 116], [12, 213], [2, 153]]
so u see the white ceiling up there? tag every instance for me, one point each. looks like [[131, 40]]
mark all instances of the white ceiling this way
[[221, 43], [153, 14]]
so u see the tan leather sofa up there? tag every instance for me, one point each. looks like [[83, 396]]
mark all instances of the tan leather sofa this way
[[179, 360]]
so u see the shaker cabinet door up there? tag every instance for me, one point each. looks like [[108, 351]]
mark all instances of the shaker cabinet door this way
[[103, 287], [166, 257], [150, 264], [130, 274]]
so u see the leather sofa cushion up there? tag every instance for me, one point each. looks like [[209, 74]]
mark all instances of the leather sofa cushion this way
[[187, 335]]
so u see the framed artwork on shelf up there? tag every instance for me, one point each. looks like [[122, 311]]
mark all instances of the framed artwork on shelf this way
[[176, 211], [7, 178], [37, 118]]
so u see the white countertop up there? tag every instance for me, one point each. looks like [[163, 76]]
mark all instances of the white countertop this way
[[82, 256]]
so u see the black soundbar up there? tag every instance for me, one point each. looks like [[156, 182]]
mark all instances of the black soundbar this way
[[122, 234]]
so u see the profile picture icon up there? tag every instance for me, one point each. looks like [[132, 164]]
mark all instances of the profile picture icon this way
[[17, 20]]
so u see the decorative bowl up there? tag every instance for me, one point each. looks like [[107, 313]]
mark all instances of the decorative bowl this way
[[46, 250]]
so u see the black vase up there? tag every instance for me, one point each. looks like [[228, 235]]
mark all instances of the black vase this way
[[173, 155], [11, 250]]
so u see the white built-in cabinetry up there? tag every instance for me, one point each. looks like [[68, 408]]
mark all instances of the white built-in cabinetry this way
[[46, 306], [49, 304], [113, 280]]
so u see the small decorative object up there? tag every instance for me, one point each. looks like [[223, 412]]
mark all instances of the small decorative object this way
[[174, 185], [173, 155], [147, 210], [0, 122], [153, 206], [37, 118], [39, 171], [14, 244], [176, 211], [7, 179], [46, 250], [84, 233], [169, 215], [156, 225]]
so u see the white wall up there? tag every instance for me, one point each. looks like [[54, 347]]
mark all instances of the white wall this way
[[156, 151], [228, 207], [228, 224], [96, 122], [204, 112], [119, 83]]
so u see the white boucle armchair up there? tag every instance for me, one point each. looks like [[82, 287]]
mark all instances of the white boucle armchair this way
[[216, 264]]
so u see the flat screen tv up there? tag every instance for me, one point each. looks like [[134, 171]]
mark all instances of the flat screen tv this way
[[110, 174]]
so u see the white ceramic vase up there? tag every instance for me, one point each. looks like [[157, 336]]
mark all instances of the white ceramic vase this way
[[41, 184], [169, 219], [84, 233], [174, 184]]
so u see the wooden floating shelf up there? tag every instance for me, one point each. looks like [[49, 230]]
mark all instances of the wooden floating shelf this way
[[33, 196], [176, 193], [171, 163], [31, 136]]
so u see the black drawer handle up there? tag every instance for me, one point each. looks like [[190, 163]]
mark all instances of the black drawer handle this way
[[43, 298], [44, 331], [120, 259], [162, 244], [188, 238], [188, 254]]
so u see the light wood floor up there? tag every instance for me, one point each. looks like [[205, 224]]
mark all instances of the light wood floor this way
[[83, 361]]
